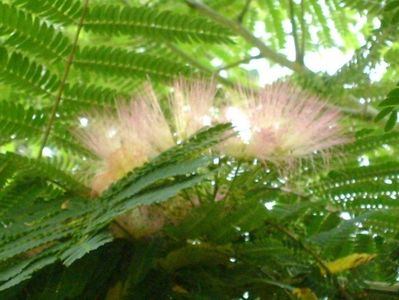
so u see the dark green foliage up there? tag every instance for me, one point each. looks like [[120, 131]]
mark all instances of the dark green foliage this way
[[17, 122], [390, 108], [59, 11], [26, 75], [29, 34], [81, 98], [78, 221]]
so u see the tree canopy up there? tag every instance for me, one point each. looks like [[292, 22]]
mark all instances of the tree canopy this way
[[113, 185]]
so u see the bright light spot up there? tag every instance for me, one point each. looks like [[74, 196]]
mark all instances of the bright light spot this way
[[186, 108], [240, 123], [269, 205], [112, 132], [216, 62], [388, 181], [194, 242], [327, 60], [363, 161], [245, 295], [206, 121], [254, 51], [47, 152], [386, 147], [345, 215], [259, 29], [223, 73], [84, 122], [376, 23], [378, 71]]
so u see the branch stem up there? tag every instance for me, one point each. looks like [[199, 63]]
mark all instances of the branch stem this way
[[244, 11], [63, 81], [294, 31], [266, 51], [315, 256], [197, 64], [239, 62]]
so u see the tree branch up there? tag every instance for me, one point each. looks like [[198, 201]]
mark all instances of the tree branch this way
[[63, 81], [198, 65], [266, 51], [239, 62]]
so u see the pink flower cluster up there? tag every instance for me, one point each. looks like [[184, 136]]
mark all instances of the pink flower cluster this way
[[280, 124]]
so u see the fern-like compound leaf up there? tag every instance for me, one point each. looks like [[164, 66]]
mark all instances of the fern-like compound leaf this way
[[119, 62], [148, 22], [26, 32], [58, 11]]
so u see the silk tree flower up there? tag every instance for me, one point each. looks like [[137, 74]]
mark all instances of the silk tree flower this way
[[278, 124], [281, 124], [138, 132], [191, 105], [125, 140]]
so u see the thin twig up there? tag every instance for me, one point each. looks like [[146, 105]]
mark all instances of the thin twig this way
[[293, 236], [63, 81], [198, 65], [239, 62], [244, 11], [266, 51], [303, 31], [294, 32], [315, 256]]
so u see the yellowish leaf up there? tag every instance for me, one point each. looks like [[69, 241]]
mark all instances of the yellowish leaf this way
[[348, 262], [304, 294], [179, 289]]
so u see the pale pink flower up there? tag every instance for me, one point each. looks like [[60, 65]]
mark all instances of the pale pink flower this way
[[191, 105], [278, 124], [125, 140], [138, 132], [282, 124]]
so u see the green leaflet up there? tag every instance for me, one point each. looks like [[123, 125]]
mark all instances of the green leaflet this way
[[109, 61], [29, 34], [163, 25], [59, 11], [27, 75]]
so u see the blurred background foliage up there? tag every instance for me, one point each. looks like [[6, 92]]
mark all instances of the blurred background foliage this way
[[272, 237]]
